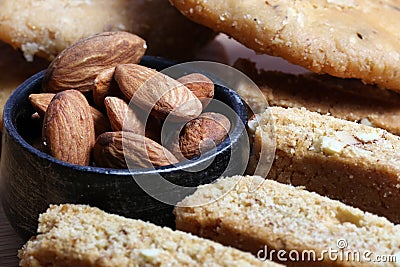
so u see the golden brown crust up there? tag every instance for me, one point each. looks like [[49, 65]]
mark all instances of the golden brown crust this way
[[354, 163], [45, 28], [348, 39], [251, 213], [78, 235], [347, 99]]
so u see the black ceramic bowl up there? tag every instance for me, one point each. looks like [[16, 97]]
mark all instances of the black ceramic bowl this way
[[31, 179]]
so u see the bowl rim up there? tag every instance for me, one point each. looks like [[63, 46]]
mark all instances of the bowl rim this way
[[18, 94]]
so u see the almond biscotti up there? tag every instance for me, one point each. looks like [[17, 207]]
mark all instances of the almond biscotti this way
[[78, 235], [274, 220], [347, 39], [354, 163], [347, 99]]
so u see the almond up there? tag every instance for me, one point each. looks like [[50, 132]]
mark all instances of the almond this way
[[203, 133], [200, 85], [153, 91], [40, 102], [101, 122], [104, 85], [115, 149], [68, 128], [122, 117], [77, 66]]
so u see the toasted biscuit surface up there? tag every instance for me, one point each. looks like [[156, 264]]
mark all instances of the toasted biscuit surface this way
[[45, 28], [356, 164], [348, 39], [78, 235], [262, 214], [347, 99]]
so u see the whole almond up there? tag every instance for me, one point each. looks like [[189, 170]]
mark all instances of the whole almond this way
[[122, 117], [203, 133], [77, 66], [101, 122], [41, 101], [115, 149], [153, 91], [104, 85], [68, 128], [200, 85]]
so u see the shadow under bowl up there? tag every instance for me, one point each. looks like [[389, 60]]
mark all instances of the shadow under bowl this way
[[32, 180]]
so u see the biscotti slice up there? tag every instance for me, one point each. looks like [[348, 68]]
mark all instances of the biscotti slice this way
[[348, 99], [274, 220], [354, 163], [79, 235]]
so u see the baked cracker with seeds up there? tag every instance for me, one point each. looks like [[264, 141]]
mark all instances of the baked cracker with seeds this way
[[348, 39]]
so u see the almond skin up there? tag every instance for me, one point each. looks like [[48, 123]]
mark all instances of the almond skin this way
[[104, 85], [200, 85], [203, 133], [153, 91], [40, 102], [122, 117], [68, 128], [77, 66], [112, 148]]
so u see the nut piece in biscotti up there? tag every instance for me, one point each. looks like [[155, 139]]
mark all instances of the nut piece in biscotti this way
[[77, 66], [157, 93], [130, 150], [68, 129], [79, 235], [347, 99], [203, 133], [356, 164], [261, 216], [41, 101], [200, 85], [45, 28], [362, 44]]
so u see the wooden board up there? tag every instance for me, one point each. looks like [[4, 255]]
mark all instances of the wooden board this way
[[10, 242]]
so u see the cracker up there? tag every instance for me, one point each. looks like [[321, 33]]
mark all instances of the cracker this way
[[45, 28], [348, 39]]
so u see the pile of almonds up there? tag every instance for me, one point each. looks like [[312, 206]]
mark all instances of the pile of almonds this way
[[99, 107]]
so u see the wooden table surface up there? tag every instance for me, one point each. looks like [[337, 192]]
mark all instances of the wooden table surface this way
[[10, 242], [223, 50]]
